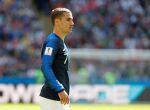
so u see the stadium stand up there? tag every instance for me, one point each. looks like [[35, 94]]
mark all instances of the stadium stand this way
[[99, 24]]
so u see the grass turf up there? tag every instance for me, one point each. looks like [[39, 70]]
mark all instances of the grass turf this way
[[78, 107]]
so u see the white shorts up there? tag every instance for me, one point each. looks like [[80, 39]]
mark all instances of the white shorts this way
[[47, 104]]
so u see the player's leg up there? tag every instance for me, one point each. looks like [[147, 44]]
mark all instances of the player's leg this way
[[47, 104], [60, 106]]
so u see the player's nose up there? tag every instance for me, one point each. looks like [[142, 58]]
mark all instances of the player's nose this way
[[72, 23]]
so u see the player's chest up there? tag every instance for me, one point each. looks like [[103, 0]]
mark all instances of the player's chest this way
[[62, 51]]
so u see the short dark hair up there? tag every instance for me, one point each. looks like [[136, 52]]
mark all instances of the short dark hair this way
[[58, 13]]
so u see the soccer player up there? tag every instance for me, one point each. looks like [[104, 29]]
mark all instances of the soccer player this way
[[55, 91]]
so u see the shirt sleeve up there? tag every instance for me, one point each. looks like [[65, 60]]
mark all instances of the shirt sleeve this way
[[49, 53]]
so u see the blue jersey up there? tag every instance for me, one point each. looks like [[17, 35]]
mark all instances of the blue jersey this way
[[54, 66]]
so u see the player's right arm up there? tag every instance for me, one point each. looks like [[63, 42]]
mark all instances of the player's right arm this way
[[48, 55], [49, 52]]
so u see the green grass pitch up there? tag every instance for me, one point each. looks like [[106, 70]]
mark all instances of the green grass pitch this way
[[78, 107]]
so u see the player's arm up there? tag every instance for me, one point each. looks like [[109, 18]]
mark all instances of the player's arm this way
[[47, 60]]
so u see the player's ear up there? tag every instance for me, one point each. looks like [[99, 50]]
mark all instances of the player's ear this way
[[57, 20]]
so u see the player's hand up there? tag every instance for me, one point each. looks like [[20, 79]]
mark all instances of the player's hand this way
[[64, 97]]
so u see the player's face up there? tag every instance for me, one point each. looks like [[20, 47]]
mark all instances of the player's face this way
[[66, 23]]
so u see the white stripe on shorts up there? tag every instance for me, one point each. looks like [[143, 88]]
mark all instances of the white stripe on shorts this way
[[47, 104]]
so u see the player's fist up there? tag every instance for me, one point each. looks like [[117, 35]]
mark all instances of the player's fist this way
[[64, 97]]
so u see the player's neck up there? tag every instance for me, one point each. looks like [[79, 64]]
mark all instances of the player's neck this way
[[59, 34]]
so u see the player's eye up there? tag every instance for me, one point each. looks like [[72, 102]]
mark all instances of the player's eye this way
[[69, 19]]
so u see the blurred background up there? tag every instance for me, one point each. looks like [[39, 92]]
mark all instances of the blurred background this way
[[109, 49]]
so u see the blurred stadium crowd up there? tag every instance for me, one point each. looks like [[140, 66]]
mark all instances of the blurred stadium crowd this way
[[101, 24]]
